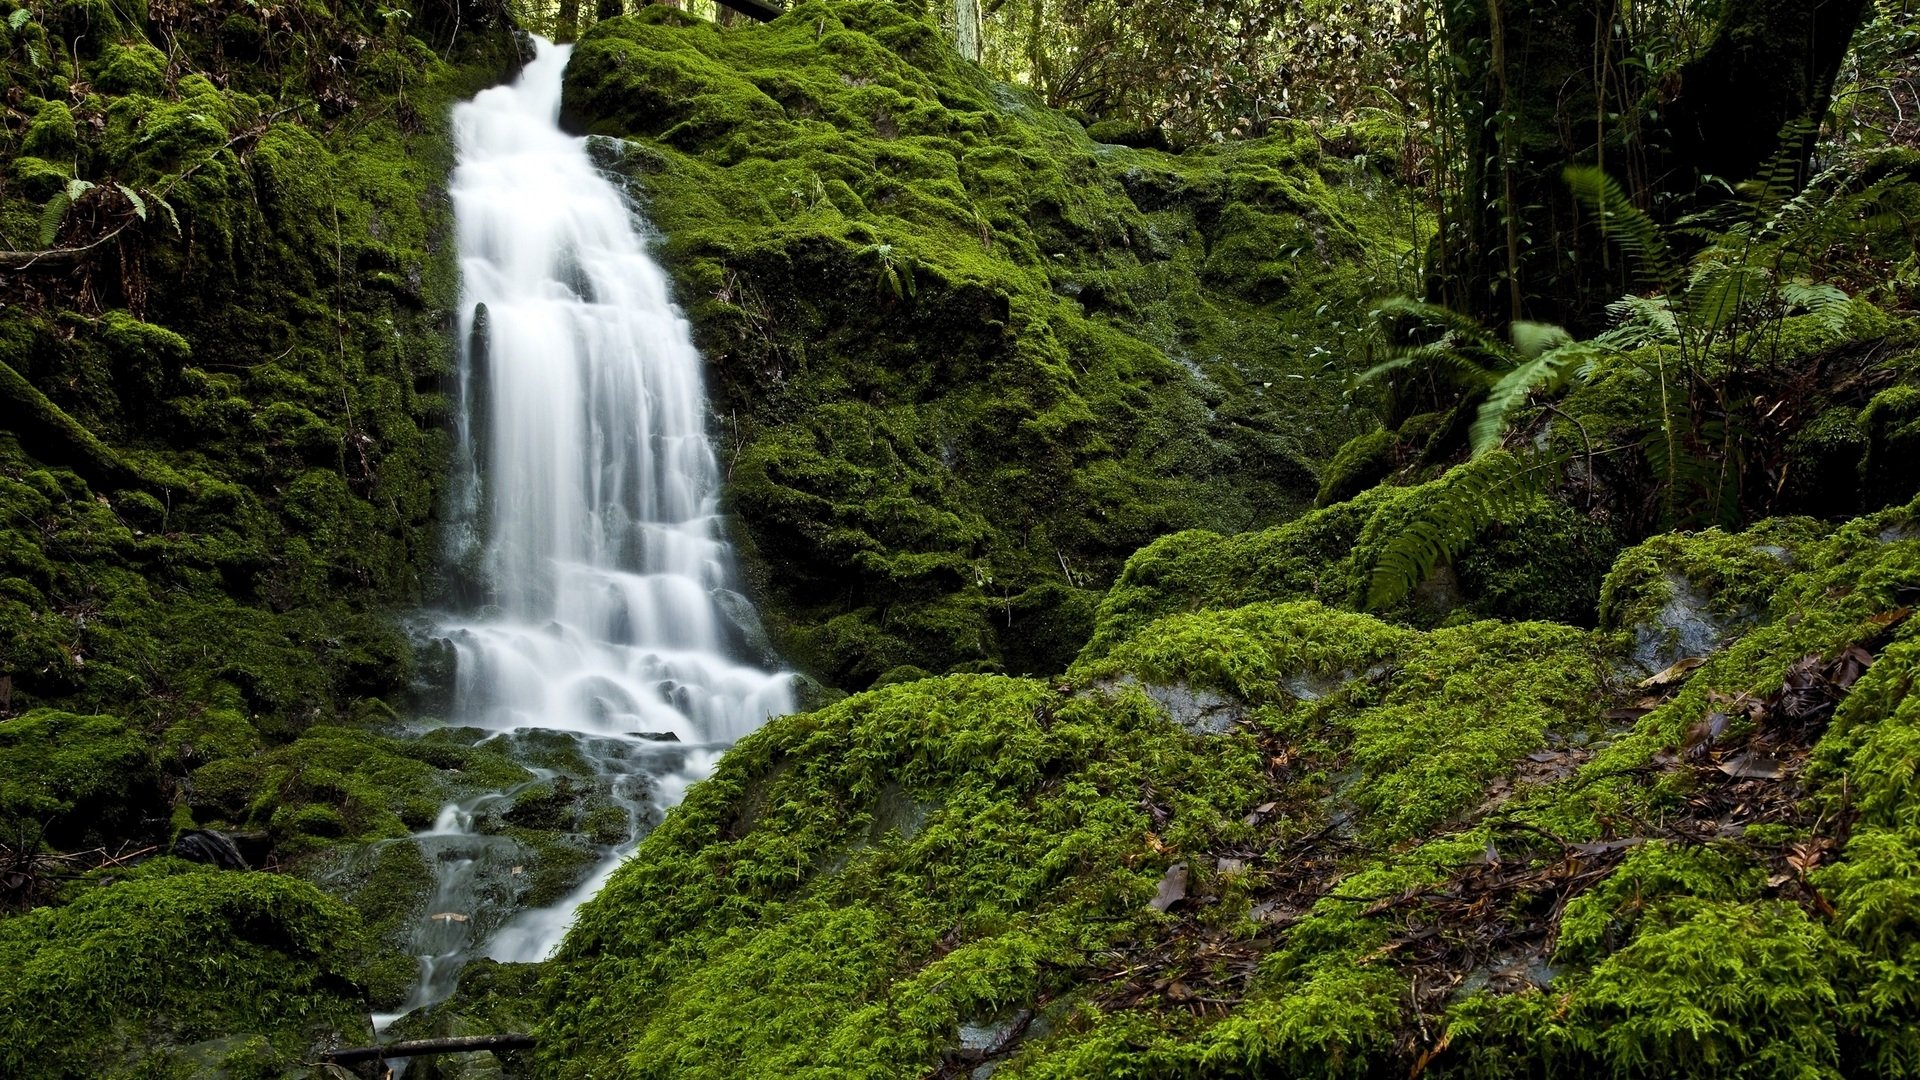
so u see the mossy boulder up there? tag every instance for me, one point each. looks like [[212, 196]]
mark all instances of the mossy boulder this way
[[145, 977], [1891, 422], [72, 781], [1362, 462], [1369, 848], [1681, 595]]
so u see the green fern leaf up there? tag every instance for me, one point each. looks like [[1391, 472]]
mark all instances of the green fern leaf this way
[[50, 217], [1549, 369], [139, 204], [1469, 499], [1637, 234]]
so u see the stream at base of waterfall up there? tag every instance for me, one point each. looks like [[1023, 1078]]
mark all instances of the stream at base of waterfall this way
[[603, 639]]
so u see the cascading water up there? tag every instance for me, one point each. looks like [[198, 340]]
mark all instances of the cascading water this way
[[589, 494]]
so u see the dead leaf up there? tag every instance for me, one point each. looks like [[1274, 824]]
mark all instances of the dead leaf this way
[[1173, 888], [1754, 766], [1849, 666], [1229, 866], [1674, 675], [1705, 734]]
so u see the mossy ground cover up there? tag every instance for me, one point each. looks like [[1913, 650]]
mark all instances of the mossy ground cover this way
[[1478, 849], [966, 360]]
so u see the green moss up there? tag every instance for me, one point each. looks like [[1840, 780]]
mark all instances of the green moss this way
[[857, 883], [1425, 722], [74, 781], [800, 841], [1680, 594], [138, 68], [1362, 462], [126, 979], [51, 133], [1824, 471], [1892, 425]]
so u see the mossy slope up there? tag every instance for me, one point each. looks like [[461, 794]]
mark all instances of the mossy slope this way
[[221, 409], [1456, 849]]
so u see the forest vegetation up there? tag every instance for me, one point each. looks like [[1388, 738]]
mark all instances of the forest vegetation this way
[[1318, 538]]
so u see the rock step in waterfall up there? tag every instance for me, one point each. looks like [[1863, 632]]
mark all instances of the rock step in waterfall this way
[[587, 498]]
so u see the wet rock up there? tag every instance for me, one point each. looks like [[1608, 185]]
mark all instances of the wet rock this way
[[213, 848], [1203, 712], [1685, 625]]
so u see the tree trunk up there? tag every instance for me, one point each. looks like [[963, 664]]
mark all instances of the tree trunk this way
[[1771, 63], [1534, 99], [1545, 85]]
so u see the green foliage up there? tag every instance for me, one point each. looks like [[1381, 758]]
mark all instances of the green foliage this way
[[854, 882], [1362, 462], [857, 884], [1463, 504]]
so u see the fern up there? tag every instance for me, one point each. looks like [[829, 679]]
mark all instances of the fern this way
[[1549, 370], [1638, 235], [139, 204], [1465, 502], [55, 211], [1829, 303]]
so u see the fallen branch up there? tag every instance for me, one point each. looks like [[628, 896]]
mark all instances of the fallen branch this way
[[421, 1047]]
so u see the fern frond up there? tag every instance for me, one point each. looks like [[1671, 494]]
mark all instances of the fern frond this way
[[1457, 364], [1638, 235], [1455, 343], [1469, 498], [1640, 321], [1531, 339], [139, 204], [1829, 303], [50, 217], [1545, 371], [1718, 293]]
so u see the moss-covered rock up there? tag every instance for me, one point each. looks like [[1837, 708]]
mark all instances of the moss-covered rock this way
[[71, 781], [144, 978], [221, 449], [1362, 462]]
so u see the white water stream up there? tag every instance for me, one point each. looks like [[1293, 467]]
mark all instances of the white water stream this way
[[589, 491]]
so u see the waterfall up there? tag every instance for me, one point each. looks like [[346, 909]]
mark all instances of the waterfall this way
[[587, 502]]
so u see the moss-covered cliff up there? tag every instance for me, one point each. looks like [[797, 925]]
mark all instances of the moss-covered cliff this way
[[223, 312], [966, 360]]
